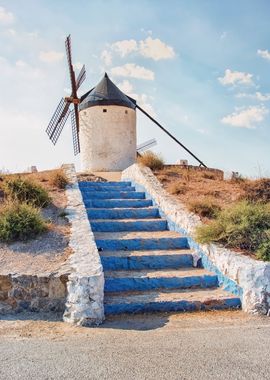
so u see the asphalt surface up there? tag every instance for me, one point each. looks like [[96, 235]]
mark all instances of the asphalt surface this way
[[213, 345]]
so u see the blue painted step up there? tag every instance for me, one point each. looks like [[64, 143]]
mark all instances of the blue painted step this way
[[128, 225], [123, 281], [89, 194], [118, 203], [122, 213], [140, 240], [107, 188], [83, 184], [136, 260], [169, 301]]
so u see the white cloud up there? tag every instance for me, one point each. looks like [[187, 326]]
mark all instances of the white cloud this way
[[10, 32], [20, 63], [124, 47], [133, 71], [106, 57], [150, 48], [51, 56], [156, 49], [257, 96], [235, 77], [264, 54], [143, 100], [126, 87], [246, 118], [78, 65], [6, 17]]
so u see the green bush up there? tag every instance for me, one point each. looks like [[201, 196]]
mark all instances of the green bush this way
[[205, 208], [244, 225], [152, 160], [59, 180], [263, 252], [24, 190], [20, 221]]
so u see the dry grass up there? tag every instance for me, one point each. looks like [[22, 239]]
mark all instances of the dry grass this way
[[152, 160], [190, 185], [46, 180]]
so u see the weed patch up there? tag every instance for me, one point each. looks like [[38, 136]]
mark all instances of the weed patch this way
[[205, 208], [244, 226], [26, 191], [20, 221]]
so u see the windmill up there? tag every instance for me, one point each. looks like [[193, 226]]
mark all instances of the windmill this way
[[63, 111], [103, 124]]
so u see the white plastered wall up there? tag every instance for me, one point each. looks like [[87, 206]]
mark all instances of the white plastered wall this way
[[107, 139]]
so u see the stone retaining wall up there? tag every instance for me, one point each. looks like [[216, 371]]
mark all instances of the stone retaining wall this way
[[240, 274], [85, 286], [32, 293]]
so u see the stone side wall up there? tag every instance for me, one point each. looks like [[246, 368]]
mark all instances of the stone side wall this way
[[251, 277], [32, 293], [85, 286]]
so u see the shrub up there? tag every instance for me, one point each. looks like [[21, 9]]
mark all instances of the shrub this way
[[205, 208], [209, 175], [152, 160], [243, 225], [177, 188], [20, 222], [59, 179], [263, 252], [24, 190], [257, 191]]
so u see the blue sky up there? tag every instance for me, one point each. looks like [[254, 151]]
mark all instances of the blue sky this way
[[202, 68]]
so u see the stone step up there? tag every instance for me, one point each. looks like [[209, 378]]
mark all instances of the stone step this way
[[110, 225], [131, 280], [170, 300], [142, 240], [100, 184], [118, 203], [92, 194], [123, 213], [136, 260]]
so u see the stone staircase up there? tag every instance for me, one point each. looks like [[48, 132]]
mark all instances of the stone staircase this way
[[147, 268]]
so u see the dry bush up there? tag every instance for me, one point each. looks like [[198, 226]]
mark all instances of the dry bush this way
[[151, 160], [177, 188], [209, 175], [205, 208], [59, 179], [26, 191], [258, 190]]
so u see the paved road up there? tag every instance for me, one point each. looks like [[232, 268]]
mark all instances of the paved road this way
[[214, 345]]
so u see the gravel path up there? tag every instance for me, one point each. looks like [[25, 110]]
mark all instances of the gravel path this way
[[213, 345]]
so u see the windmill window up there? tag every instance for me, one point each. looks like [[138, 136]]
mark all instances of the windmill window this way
[[126, 111], [104, 110]]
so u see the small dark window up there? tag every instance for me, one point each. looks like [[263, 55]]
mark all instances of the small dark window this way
[[126, 111], [104, 110]]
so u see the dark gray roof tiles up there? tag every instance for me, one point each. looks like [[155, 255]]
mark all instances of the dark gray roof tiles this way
[[106, 93]]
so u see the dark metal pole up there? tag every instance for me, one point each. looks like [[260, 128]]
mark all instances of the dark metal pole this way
[[169, 134]]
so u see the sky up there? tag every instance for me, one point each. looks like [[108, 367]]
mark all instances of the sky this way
[[201, 68]]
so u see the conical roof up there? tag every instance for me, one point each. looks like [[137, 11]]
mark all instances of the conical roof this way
[[106, 93]]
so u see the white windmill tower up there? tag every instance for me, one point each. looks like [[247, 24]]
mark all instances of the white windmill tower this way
[[107, 128], [103, 124]]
